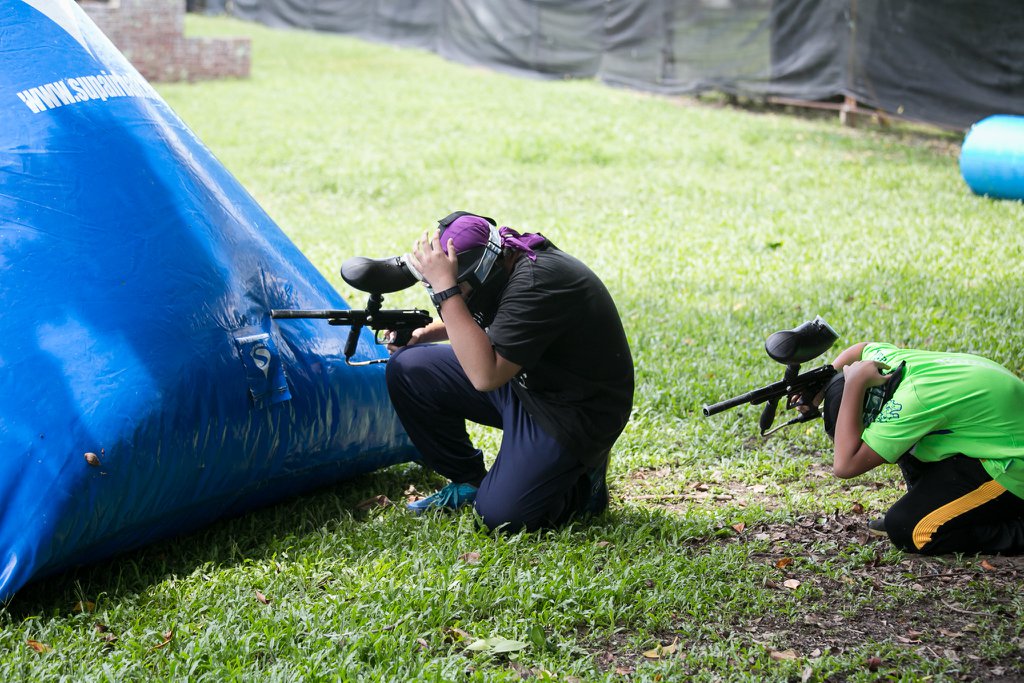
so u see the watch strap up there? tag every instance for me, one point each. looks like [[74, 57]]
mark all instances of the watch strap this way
[[438, 297]]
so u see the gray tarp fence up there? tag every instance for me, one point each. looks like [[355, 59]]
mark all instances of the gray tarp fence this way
[[948, 62]]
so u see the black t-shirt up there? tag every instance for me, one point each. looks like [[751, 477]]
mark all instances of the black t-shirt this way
[[556, 319]]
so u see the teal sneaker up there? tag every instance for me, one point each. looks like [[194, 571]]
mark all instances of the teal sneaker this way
[[451, 497]]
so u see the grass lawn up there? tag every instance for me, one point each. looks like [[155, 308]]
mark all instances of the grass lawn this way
[[723, 556]]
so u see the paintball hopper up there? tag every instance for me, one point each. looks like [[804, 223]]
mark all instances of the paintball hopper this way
[[791, 348], [378, 276], [802, 343]]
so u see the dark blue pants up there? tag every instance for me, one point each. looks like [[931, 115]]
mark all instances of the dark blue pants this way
[[534, 482]]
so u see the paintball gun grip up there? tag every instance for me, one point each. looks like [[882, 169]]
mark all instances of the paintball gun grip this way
[[401, 337]]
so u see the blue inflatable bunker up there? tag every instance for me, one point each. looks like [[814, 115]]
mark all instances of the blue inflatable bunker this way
[[992, 157], [144, 388]]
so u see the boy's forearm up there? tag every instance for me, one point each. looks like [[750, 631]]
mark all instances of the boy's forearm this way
[[850, 355], [483, 366], [849, 428]]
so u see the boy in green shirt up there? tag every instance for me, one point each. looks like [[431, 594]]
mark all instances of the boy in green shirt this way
[[954, 423]]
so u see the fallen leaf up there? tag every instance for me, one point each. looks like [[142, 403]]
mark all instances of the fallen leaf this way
[[168, 636], [523, 671], [603, 544], [37, 646], [784, 562], [262, 598], [457, 632], [92, 459], [380, 501], [739, 527], [470, 558], [623, 671], [422, 643], [496, 645], [988, 566], [791, 584], [950, 634], [806, 674], [662, 650], [83, 606], [781, 656]]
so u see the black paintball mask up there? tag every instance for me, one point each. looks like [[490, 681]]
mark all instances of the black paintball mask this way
[[874, 399], [479, 265]]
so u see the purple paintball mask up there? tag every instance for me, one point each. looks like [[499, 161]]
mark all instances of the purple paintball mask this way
[[479, 243], [469, 232]]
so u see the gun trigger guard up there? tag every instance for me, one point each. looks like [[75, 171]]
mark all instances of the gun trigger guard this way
[[799, 401]]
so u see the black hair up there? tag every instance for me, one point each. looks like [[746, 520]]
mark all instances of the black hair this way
[[833, 398], [874, 398]]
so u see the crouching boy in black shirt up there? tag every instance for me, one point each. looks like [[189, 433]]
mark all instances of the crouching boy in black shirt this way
[[536, 349]]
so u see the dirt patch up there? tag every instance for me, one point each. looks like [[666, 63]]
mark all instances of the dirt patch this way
[[961, 613], [661, 487], [940, 609]]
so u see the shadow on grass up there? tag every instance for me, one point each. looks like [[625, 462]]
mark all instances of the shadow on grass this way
[[255, 535]]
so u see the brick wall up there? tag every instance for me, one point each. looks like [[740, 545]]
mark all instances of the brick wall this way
[[150, 33]]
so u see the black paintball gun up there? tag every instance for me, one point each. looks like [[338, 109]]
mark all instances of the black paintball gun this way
[[377, 277], [791, 348]]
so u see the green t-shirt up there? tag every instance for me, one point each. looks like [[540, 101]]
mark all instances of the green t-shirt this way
[[950, 403]]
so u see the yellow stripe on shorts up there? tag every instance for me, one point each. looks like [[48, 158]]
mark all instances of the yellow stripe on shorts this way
[[927, 527]]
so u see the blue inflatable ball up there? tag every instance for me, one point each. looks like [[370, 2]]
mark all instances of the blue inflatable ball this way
[[992, 157]]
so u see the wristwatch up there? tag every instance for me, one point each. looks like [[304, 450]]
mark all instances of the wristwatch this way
[[438, 297]]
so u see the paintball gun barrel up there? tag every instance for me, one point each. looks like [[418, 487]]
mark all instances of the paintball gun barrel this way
[[791, 348], [377, 277]]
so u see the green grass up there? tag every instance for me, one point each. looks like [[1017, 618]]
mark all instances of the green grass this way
[[712, 227]]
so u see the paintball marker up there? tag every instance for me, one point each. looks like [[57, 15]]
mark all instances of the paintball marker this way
[[791, 348], [377, 277]]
